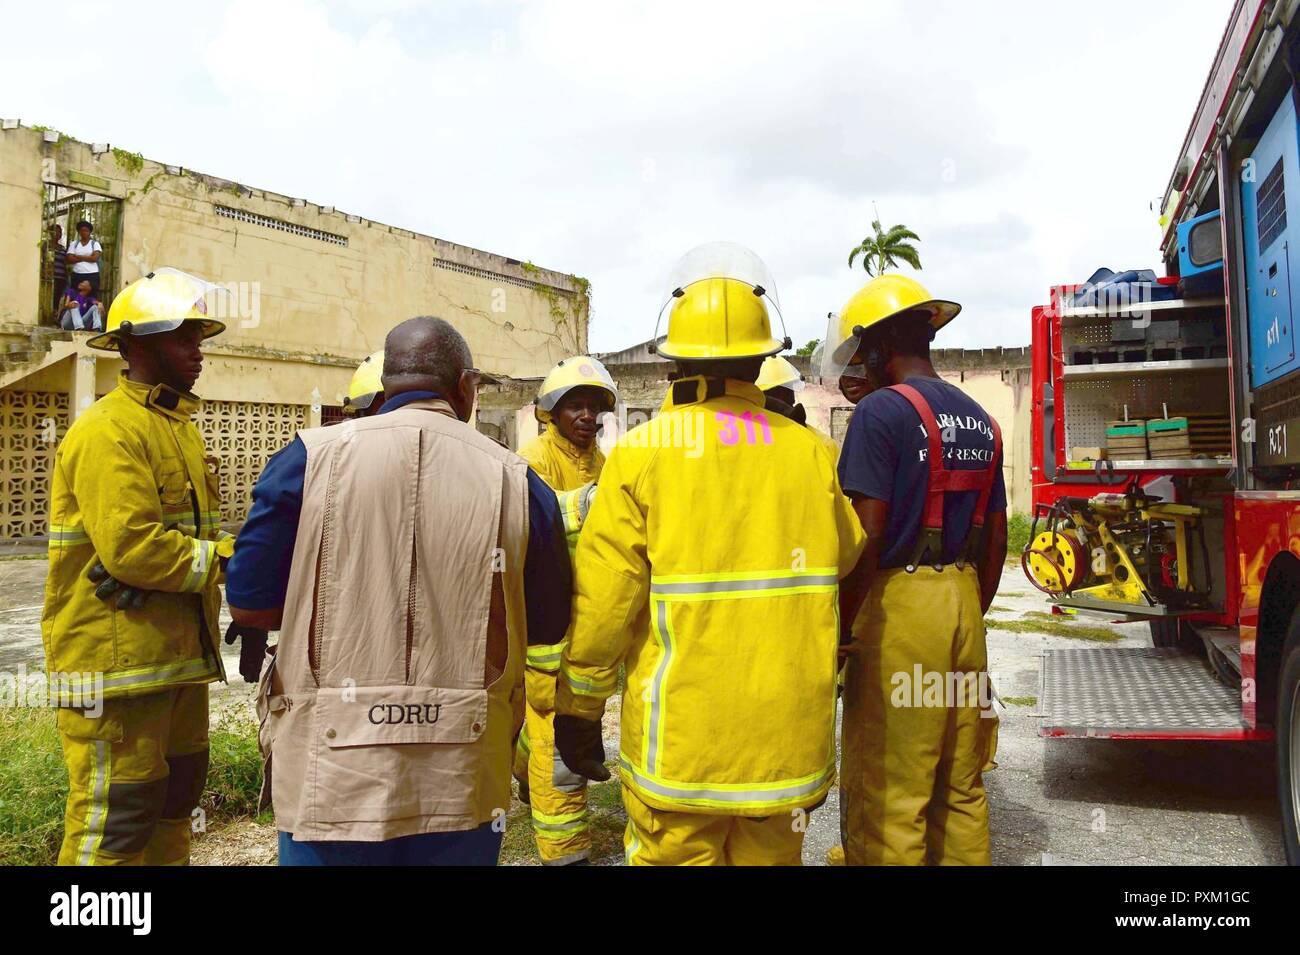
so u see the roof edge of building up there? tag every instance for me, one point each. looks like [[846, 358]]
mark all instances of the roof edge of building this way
[[462, 255]]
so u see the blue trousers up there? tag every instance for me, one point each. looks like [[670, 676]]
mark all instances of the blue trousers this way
[[479, 846]]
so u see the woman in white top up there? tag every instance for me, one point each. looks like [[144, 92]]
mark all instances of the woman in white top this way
[[83, 257]]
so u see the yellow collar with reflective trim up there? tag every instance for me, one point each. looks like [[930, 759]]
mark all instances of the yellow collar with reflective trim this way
[[681, 392], [161, 398]]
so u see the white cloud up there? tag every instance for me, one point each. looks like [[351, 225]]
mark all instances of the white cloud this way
[[1023, 141]]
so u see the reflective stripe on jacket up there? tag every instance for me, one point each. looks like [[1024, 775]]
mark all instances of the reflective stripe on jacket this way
[[709, 564], [544, 659], [561, 463], [131, 487], [574, 507]]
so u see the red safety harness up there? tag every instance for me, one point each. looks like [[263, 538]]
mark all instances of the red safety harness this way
[[943, 480]]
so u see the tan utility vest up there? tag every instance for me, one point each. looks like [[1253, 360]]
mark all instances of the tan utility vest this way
[[396, 688]]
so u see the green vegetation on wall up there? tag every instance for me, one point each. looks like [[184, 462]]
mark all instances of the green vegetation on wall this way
[[129, 162]]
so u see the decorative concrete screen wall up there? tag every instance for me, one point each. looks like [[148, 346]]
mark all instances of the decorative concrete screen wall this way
[[243, 435], [31, 424]]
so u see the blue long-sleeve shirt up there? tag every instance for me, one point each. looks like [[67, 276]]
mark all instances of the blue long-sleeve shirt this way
[[257, 577]]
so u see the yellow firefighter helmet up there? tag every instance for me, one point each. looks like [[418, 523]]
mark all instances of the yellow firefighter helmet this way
[[161, 302], [719, 305], [779, 372], [883, 298], [366, 383], [580, 371]]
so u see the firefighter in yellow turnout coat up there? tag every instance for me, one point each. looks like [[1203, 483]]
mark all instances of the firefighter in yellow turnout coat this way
[[571, 399], [570, 402], [709, 566], [131, 603]]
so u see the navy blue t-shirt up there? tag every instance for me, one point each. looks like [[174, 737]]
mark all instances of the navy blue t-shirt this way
[[885, 457]]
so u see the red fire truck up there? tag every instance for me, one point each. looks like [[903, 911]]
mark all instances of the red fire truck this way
[[1166, 483]]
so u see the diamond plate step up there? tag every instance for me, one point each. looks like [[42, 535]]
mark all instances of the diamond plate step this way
[[1227, 643], [1137, 693]]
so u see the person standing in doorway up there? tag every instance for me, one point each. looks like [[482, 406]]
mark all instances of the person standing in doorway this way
[[83, 256], [55, 261]]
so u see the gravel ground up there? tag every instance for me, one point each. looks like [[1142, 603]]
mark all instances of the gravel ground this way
[[1053, 802]]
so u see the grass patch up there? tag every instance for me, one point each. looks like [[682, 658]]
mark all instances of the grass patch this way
[[517, 846], [234, 770], [34, 782], [1018, 526], [1045, 623], [1020, 700], [996, 609], [33, 787]]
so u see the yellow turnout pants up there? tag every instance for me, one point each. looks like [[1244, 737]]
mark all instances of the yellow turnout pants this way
[[661, 837], [557, 796], [135, 776], [917, 732]]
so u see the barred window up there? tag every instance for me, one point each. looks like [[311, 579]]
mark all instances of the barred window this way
[[489, 275], [252, 217]]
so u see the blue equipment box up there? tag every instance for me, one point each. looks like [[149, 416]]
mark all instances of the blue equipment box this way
[[1269, 186], [1200, 255]]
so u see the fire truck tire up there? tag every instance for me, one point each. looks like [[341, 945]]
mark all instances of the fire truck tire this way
[[1287, 734], [1170, 632]]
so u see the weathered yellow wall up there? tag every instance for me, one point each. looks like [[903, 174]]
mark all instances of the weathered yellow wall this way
[[20, 224], [319, 308], [314, 298]]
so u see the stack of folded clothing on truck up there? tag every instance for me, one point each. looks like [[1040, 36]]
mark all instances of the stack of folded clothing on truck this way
[[1122, 290]]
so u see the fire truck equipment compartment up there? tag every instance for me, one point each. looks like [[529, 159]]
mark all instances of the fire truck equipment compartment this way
[[1266, 188]]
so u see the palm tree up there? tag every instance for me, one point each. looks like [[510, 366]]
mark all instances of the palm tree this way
[[886, 248]]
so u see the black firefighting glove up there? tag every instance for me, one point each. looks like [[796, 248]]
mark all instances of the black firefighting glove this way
[[252, 650], [111, 590], [581, 747]]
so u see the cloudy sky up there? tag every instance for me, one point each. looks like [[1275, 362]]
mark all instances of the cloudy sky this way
[[1024, 141]]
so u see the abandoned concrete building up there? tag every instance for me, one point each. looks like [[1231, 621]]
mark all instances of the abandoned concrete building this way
[[315, 289]]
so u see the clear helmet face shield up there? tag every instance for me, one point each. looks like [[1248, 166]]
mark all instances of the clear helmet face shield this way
[[163, 301], [721, 260], [838, 351], [187, 296]]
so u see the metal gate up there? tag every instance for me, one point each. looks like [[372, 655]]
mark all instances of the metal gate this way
[[66, 207]]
